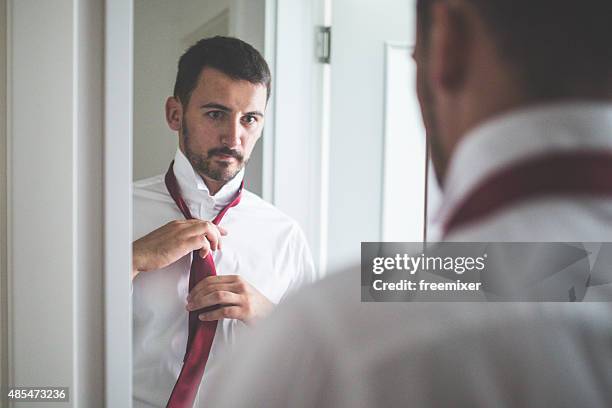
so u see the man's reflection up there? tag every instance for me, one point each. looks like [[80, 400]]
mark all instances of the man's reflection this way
[[211, 256]]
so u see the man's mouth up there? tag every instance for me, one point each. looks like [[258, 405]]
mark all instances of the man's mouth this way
[[224, 156]]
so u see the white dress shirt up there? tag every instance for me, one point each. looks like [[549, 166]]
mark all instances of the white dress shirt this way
[[328, 349], [523, 134], [263, 245]]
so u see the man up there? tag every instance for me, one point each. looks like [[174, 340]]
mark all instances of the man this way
[[197, 221], [516, 97]]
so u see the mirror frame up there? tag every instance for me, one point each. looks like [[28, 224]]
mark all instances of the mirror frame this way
[[118, 108]]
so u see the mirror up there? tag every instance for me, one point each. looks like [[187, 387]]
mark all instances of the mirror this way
[[343, 150]]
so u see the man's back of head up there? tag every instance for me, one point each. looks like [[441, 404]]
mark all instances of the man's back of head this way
[[559, 48], [480, 58]]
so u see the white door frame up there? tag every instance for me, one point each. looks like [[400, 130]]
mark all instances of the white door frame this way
[[118, 85]]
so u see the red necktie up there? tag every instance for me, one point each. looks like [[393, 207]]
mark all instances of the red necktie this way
[[201, 334], [577, 173]]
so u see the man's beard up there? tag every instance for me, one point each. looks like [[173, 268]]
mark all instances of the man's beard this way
[[205, 165]]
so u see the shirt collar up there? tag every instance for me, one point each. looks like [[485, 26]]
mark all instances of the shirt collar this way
[[521, 134], [195, 191]]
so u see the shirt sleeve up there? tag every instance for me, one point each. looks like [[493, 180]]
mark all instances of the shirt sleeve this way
[[305, 271]]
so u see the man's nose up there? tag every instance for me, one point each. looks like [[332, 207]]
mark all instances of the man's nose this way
[[232, 137]]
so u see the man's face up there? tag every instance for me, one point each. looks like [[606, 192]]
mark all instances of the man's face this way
[[221, 124]]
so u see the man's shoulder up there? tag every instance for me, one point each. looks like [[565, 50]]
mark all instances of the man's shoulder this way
[[152, 205], [332, 315], [151, 188], [548, 219], [149, 183], [261, 209]]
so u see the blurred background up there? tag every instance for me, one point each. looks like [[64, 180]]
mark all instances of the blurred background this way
[[343, 150]]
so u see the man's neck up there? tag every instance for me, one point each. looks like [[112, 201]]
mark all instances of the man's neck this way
[[213, 185], [475, 112]]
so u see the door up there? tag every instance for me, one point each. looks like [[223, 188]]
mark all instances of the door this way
[[377, 154]]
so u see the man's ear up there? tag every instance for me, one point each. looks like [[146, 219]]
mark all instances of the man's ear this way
[[174, 113], [449, 46]]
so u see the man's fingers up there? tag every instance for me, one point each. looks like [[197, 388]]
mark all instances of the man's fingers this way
[[206, 229], [226, 312], [215, 279], [203, 244], [184, 225], [220, 297], [187, 229], [222, 278], [175, 239], [214, 237], [198, 227], [199, 292], [204, 252]]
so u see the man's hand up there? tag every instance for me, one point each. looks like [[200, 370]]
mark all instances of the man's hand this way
[[171, 242], [235, 296]]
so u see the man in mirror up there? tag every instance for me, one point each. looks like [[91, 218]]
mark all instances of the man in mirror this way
[[210, 256]]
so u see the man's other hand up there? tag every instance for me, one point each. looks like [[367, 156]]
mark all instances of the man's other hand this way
[[235, 296], [174, 240]]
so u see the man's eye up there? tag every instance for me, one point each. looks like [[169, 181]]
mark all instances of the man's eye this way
[[214, 114], [249, 120]]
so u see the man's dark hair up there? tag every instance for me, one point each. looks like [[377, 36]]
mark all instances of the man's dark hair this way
[[559, 48], [232, 56]]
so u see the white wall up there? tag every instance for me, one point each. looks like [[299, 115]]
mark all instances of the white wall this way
[[55, 232]]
